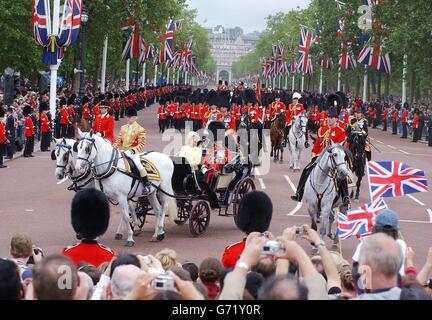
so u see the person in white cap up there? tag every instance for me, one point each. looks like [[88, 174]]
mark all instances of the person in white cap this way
[[293, 111]]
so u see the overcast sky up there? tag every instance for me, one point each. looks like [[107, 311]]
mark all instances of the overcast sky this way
[[248, 14]]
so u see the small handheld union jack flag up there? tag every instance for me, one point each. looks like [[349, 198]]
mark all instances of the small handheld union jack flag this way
[[359, 222], [394, 179]]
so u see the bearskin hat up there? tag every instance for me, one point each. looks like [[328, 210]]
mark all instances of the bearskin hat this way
[[249, 96], [110, 96], [334, 100], [345, 100], [101, 97], [131, 112], [43, 106], [70, 100], [217, 129], [104, 103], [213, 98], [85, 99], [63, 101], [2, 112], [162, 101], [254, 212], [220, 82], [333, 113], [90, 213], [27, 110], [224, 99]]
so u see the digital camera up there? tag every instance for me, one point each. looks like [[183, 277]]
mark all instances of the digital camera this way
[[300, 231], [163, 282], [271, 247]]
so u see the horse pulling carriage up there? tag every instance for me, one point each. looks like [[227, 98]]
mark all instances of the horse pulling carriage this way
[[193, 201]]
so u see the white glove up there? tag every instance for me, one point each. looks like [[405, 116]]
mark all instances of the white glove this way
[[130, 153]]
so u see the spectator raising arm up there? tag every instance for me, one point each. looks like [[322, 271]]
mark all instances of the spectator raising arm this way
[[423, 275]]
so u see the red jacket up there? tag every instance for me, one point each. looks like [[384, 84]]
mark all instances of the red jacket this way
[[336, 134], [89, 251], [395, 116], [96, 110], [2, 133], [276, 108], [232, 254], [105, 125], [44, 123], [255, 115], [416, 122], [229, 122], [71, 111], [171, 109], [64, 116], [161, 113], [86, 112], [293, 111], [385, 114], [29, 127], [404, 117]]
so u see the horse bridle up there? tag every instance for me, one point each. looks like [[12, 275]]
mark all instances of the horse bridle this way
[[92, 144], [334, 165], [66, 156]]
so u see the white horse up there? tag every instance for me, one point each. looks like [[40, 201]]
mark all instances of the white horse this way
[[297, 139], [65, 158], [109, 170], [320, 189]]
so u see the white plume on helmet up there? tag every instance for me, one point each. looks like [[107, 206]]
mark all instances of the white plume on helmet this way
[[296, 95]]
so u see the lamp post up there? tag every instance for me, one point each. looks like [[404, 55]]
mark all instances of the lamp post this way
[[84, 20]]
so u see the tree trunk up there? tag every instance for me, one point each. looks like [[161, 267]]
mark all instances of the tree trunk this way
[[357, 87], [373, 83], [387, 86], [369, 85], [379, 84], [76, 64], [95, 82], [412, 86]]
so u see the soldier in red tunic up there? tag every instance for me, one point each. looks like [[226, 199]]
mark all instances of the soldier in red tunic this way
[[385, 116], [45, 128], [404, 119], [395, 118], [3, 139], [104, 123], [254, 215], [416, 125], [29, 132], [161, 114], [294, 109], [90, 215], [64, 118]]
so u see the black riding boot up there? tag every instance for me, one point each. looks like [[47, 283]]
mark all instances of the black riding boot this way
[[343, 192], [298, 196], [286, 133], [146, 184]]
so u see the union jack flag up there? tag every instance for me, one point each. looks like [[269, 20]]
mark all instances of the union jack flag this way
[[178, 25], [304, 61], [147, 54], [41, 25], [327, 63], [394, 179], [347, 60], [71, 22], [359, 222], [374, 57], [372, 3], [341, 27], [279, 59], [134, 47], [166, 52], [284, 68], [156, 61]]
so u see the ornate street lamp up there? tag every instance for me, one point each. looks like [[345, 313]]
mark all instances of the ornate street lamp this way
[[84, 20]]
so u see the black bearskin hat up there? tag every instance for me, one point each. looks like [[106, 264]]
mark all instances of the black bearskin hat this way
[[27, 110], [345, 100], [213, 98], [250, 96], [131, 112], [85, 99], [224, 99], [162, 101], [90, 213], [333, 113], [63, 101], [2, 112], [70, 100], [220, 82], [101, 97], [217, 128], [254, 212], [334, 99], [104, 103], [110, 96], [116, 95], [43, 106]]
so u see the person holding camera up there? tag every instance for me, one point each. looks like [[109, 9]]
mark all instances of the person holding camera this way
[[23, 252], [254, 215]]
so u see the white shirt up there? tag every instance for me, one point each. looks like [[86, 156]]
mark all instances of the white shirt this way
[[400, 242]]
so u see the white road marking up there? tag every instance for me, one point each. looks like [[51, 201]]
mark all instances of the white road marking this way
[[403, 151], [391, 147], [261, 181], [429, 211], [379, 141], [299, 204], [29, 210], [416, 200], [257, 172]]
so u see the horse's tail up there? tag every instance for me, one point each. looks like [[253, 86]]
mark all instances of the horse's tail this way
[[172, 204]]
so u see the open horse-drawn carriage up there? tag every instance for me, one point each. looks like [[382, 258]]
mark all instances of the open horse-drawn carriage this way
[[193, 197]]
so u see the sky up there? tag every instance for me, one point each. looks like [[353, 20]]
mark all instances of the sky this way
[[248, 14]]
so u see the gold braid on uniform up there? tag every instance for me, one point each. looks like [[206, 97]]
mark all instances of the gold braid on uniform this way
[[325, 137]]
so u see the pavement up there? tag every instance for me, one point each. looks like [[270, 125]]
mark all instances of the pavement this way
[[33, 203]]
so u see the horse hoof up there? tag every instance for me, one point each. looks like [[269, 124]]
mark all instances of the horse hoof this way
[[160, 237], [118, 236], [129, 244], [137, 232]]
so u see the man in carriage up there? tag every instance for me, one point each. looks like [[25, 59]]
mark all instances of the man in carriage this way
[[131, 140], [326, 134]]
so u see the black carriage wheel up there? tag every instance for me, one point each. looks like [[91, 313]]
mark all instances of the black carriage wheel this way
[[247, 185], [182, 215], [199, 218]]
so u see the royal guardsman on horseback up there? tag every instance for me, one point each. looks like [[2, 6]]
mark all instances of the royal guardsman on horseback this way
[[330, 132], [358, 125], [131, 140]]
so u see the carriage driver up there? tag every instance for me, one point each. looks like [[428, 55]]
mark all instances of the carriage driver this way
[[131, 140], [358, 125], [326, 133]]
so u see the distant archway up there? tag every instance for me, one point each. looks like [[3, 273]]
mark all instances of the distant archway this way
[[224, 75]]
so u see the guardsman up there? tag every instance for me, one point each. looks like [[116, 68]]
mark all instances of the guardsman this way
[[276, 107], [227, 117], [395, 118], [90, 218], [196, 113], [29, 132], [204, 108], [71, 115], [416, 125], [64, 118], [45, 128], [178, 114], [313, 118], [359, 125], [236, 110], [220, 86], [213, 114], [116, 106], [404, 119], [254, 215], [331, 132], [429, 124], [132, 140], [385, 116], [104, 123], [171, 109], [95, 109], [161, 115], [294, 109], [3, 139]]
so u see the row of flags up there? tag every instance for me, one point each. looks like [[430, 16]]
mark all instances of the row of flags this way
[[67, 34], [386, 179]]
